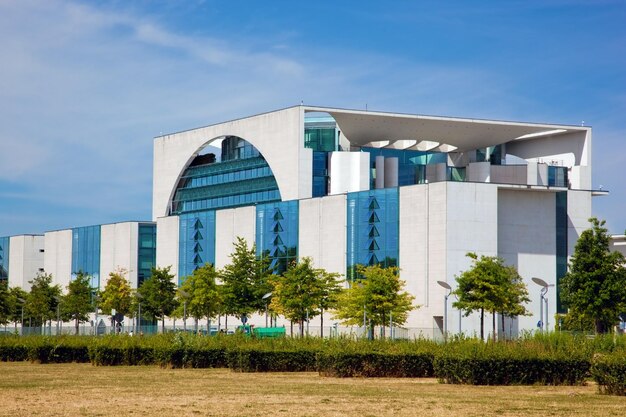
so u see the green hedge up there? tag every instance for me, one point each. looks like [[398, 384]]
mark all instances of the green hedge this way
[[375, 364], [609, 372]]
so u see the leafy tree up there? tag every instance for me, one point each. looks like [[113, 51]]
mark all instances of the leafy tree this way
[[17, 297], [245, 281], [201, 292], [159, 295], [42, 299], [117, 295], [594, 288], [489, 285], [76, 304], [378, 293], [6, 303], [303, 292]]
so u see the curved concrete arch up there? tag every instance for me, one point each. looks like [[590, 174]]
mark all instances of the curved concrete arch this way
[[278, 136]]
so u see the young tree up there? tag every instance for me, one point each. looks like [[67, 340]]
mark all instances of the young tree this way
[[117, 295], [378, 295], [245, 281], [303, 292], [594, 288], [159, 295], [200, 290], [489, 285], [43, 299], [76, 304], [18, 299], [6, 303]]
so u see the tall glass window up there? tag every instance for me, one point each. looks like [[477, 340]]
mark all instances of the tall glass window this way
[[146, 251], [557, 176], [320, 174], [410, 163], [561, 245], [86, 253], [4, 258], [277, 233], [196, 242], [373, 229]]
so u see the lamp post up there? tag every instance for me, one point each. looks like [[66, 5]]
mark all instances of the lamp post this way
[[58, 299], [445, 307], [95, 327], [544, 290], [22, 301], [265, 297], [185, 295]]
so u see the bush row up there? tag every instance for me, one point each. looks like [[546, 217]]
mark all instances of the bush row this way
[[554, 360]]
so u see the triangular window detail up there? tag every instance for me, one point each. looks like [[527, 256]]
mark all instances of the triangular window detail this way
[[197, 248], [374, 218], [197, 259], [197, 236], [278, 241], [373, 245], [198, 224], [278, 215], [373, 260], [374, 204], [373, 231], [277, 228]]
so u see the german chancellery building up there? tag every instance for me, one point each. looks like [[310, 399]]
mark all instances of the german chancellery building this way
[[350, 187]]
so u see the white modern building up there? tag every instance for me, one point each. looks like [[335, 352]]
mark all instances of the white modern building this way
[[21, 259], [349, 187]]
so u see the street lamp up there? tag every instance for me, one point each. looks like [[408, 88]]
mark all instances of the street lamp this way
[[185, 295], [544, 290], [445, 307], [22, 301], [265, 297]]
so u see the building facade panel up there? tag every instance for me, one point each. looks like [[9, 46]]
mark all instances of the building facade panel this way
[[167, 243], [58, 256], [229, 225]]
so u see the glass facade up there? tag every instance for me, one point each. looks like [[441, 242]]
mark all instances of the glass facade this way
[[146, 251], [411, 164], [561, 245], [4, 258], [241, 178], [320, 174], [557, 176], [373, 229], [277, 233], [86, 253], [196, 242], [321, 139]]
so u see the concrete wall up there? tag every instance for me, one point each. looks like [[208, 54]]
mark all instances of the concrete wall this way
[[119, 251], [322, 232], [509, 174], [26, 259], [277, 135], [348, 171], [527, 240], [58, 256], [167, 243], [230, 224]]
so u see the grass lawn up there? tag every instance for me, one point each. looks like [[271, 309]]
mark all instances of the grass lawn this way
[[85, 390]]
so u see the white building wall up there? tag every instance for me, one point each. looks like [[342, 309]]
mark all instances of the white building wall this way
[[230, 224], [349, 172], [26, 259], [58, 256], [527, 240], [578, 214], [167, 244], [322, 232], [119, 251]]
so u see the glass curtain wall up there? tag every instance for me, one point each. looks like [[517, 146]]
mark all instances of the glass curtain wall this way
[[196, 242], [561, 245], [373, 229], [277, 233], [86, 253], [146, 252], [4, 259]]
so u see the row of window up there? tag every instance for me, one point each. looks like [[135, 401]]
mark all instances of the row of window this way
[[228, 201], [228, 177]]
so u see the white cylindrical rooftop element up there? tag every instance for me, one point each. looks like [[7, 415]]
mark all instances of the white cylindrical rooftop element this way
[[391, 172], [380, 172]]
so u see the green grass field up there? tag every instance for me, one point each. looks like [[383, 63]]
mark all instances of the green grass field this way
[[84, 390]]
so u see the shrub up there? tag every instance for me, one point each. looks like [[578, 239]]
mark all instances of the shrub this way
[[609, 372], [375, 364]]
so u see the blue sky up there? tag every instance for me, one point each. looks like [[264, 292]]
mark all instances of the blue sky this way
[[86, 85]]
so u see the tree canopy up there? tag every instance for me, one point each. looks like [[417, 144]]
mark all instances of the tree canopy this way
[[42, 300], [489, 285], [245, 281], [201, 292], [158, 295], [77, 303], [594, 288], [379, 294], [117, 295]]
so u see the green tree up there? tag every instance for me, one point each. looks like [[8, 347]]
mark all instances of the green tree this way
[[117, 295], [18, 299], [303, 292], [245, 281], [594, 288], [76, 304], [6, 303], [159, 295], [378, 295], [202, 294], [43, 299], [491, 286]]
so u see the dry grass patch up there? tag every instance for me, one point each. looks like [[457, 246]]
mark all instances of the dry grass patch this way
[[85, 390]]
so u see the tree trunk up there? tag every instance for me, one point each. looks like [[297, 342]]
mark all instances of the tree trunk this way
[[493, 325], [322, 323], [301, 328], [482, 324], [163, 324], [76, 326], [600, 327], [503, 332], [226, 323]]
